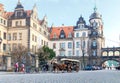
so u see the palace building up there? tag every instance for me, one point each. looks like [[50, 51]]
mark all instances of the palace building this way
[[81, 41], [23, 27]]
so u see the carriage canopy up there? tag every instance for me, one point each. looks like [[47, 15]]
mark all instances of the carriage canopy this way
[[71, 60]]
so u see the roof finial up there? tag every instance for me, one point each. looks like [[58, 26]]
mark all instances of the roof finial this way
[[18, 1], [80, 15], [95, 8]]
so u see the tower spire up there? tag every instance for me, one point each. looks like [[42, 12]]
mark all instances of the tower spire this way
[[95, 7]]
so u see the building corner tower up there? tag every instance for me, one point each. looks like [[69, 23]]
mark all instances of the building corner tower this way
[[96, 38]]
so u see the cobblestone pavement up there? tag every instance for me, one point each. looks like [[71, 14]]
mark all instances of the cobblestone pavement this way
[[102, 76]]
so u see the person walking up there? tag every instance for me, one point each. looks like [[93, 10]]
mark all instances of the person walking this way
[[16, 67], [22, 68]]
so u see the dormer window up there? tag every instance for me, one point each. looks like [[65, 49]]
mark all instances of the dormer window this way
[[70, 35], [55, 36], [19, 13], [80, 26], [62, 34]]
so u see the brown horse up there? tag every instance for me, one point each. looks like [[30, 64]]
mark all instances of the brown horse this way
[[59, 67]]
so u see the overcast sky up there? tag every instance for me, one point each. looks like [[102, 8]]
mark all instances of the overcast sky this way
[[67, 12]]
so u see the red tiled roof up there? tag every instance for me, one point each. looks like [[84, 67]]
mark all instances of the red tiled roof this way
[[8, 14], [57, 30]]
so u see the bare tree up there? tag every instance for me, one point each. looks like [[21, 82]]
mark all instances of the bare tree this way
[[19, 54]]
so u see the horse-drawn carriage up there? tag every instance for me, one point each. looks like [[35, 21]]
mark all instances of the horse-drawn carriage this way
[[65, 64]]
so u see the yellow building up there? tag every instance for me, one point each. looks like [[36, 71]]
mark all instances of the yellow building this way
[[21, 27]]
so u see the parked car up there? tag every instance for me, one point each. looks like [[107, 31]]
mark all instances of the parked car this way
[[88, 68]]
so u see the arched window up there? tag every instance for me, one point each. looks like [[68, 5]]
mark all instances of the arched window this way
[[117, 53], [104, 54], [110, 53]]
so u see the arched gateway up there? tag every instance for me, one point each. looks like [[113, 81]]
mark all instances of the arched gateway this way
[[110, 57]]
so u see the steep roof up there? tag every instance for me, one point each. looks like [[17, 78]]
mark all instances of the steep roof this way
[[9, 14], [57, 30]]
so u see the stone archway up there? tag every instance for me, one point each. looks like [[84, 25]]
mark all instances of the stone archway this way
[[110, 64]]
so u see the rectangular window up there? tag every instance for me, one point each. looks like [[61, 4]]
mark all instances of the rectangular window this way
[[16, 23], [69, 44], [4, 22], [4, 47], [35, 38], [62, 45], [9, 36], [34, 25], [4, 36], [20, 36], [77, 34], [44, 33], [54, 45], [20, 23], [14, 36], [69, 53], [9, 47], [77, 44]]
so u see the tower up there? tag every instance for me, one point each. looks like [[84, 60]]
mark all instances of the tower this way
[[96, 38]]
